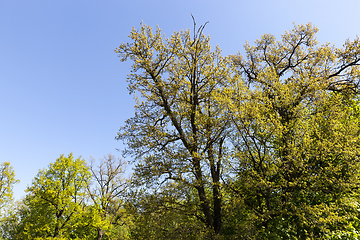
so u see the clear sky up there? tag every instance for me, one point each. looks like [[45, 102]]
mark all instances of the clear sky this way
[[63, 89]]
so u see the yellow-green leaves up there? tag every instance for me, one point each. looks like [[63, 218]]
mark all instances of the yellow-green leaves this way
[[178, 132], [55, 203], [7, 181], [296, 133], [275, 130]]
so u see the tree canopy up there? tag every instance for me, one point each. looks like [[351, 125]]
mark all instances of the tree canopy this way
[[275, 133], [179, 128], [296, 133], [54, 205]]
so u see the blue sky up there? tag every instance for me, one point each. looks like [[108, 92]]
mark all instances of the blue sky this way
[[63, 89]]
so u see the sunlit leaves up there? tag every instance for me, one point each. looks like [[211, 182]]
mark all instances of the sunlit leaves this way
[[178, 132], [55, 201], [7, 181], [296, 134]]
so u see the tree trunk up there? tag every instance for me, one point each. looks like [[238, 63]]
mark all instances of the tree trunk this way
[[100, 233]]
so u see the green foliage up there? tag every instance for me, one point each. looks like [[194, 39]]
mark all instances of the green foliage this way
[[54, 205], [178, 132], [270, 141], [7, 181], [160, 215], [61, 203], [295, 135]]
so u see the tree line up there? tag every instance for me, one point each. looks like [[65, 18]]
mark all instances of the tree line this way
[[263, 145], [70, 200]]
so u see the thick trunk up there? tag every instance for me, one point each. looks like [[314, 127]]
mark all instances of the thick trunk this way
[[213, 219], [205, 207], [100, 233], [217, 207], [215, 175]]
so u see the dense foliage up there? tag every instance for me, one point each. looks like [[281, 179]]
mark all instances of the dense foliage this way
[[62, 203], [266, 145], [261, 146]]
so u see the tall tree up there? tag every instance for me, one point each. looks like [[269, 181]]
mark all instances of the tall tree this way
[[179, 129], [296, 133]]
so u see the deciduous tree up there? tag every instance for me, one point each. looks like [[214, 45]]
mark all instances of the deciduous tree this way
[[296, 134], [179, 129], [55, 200], [107, 191]]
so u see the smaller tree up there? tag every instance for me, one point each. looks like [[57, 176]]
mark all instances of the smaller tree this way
[[55, 200], [108, 187], [7, 181]]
